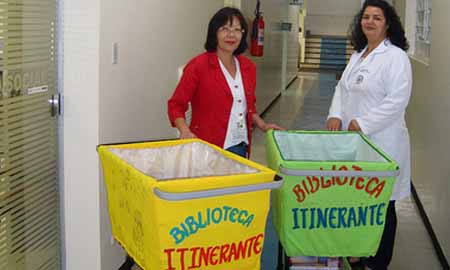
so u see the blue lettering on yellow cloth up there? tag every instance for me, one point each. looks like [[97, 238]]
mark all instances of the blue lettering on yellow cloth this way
[[207, 217]]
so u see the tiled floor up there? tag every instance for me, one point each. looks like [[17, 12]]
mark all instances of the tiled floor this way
[[304, 106]]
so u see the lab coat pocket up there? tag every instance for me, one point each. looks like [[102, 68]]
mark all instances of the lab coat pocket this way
[[359, 82]]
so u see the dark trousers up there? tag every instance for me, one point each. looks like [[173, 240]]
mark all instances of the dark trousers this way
[[383, 257], [239, 149], [128, 264]]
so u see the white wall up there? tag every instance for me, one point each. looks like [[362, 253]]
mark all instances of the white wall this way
[[158, 38], [80, 130], [107, 103], [429, 125], [330, 17]]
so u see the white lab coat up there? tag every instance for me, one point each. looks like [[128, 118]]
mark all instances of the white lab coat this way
[[375, 92]]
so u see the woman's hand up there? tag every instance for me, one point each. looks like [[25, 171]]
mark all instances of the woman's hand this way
[[334, 124], [266, 126], [187, 134], [262, 125], [354, 126]]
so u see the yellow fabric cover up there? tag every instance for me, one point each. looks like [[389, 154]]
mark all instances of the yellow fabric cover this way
[[225, 232]]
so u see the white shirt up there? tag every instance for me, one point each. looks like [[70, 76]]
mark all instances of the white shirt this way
[[237, 123], [375, 92]]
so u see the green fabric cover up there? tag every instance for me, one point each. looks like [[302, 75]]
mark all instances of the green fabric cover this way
[[329, 215]]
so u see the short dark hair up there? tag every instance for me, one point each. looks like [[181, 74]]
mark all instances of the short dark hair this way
[[395, 31], [221, 18]]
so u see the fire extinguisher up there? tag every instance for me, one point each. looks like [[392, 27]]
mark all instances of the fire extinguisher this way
[[257, 38]]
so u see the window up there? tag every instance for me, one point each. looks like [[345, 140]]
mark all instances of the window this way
[[418, 28], [423, 29]]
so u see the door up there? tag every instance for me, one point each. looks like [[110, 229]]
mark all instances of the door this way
[[29, 200]]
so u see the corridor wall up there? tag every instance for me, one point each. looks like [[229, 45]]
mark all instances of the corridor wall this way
[[427, 119], [106, 102]]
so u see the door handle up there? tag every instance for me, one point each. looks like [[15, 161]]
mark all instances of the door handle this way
[[55, 108]]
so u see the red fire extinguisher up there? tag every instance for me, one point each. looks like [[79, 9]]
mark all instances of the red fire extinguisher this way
[[257, 38]]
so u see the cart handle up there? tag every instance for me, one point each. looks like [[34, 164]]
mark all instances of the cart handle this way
[[339, 173], [181, 196]]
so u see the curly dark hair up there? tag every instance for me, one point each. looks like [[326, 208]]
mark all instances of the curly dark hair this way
[[222, 17], [395, 31]]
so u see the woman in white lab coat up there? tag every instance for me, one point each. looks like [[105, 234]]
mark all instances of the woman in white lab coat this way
[[372, 96]]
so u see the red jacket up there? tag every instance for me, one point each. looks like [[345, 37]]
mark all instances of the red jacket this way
[[204, 85]]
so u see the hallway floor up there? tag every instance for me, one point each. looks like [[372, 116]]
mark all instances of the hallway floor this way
[[304, 106]]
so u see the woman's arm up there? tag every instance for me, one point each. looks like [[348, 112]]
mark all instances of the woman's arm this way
[[179, 102], [334, 122], [262, 125], [185, 132]]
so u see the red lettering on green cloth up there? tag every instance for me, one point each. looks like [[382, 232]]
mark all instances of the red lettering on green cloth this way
[[311, 184]]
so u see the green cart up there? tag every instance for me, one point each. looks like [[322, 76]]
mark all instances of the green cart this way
[[335, 194]]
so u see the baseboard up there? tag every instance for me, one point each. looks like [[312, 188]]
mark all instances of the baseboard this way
[[267, 109], [426, 221], [291, 82]]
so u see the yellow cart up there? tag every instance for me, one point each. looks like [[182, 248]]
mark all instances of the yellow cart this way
[[187, 204]]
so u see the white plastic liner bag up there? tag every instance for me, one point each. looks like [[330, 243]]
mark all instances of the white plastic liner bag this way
[[190, 160], [325, 147]]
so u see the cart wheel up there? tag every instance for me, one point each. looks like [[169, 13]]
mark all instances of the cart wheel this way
[[128, 264]]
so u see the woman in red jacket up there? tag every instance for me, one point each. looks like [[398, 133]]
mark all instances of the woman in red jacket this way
[[220, 85]]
